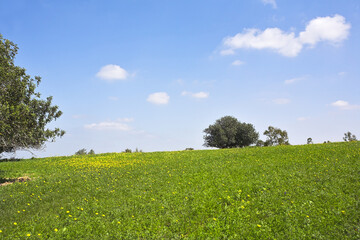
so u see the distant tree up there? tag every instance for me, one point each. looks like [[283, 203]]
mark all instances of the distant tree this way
[[23, 115], [189, 149], [81, 152], [276, 136], [349, 137], [309, 141], [260, 143], [138, 150], [91, 152], [128, 150], [228, 132]]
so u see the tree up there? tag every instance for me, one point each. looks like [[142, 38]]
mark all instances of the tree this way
[[228, 132], [260, 143], [349, 137], [275, 136], [309, 141], [91, 152], [81, 152], [23, 115]]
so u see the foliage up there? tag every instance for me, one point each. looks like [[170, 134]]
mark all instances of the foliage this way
[[91, 152], [260, 143], [128, 150], [348, 137], [81, 152], [228, 132], [282, 192], [189, 149], [276, 136], [309, 141], [138, 150], [23, 115]]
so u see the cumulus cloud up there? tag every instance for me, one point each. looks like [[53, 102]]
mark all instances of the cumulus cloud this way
[[271, 2], [118, 125], [281, 101], [344, 105], [158, 98], [112, 73], [293, 80], [237, 63], [272, 38], [195, 95], [329, 29]]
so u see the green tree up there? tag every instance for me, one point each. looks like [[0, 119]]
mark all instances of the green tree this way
[[309, 141], [23, 115], [228, 132], [128, 150], [348, 137], [276, 136], [81, 152], [91, 152]]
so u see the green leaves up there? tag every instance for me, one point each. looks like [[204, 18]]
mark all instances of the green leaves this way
[[23, 115], [228, 132], [276, 136]]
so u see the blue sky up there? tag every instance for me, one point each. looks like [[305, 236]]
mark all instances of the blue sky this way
[[155, 74]]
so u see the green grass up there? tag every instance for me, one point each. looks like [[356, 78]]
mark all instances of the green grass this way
[[283, 192]]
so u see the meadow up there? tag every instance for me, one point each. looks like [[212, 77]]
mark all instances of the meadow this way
[[283, 192]]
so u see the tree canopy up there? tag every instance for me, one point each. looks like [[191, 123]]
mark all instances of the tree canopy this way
[[348, 137], [228, 132], [23, 114], [276, 136]]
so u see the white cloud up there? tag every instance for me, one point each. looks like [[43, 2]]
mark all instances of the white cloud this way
[[127, 120], [342, 74], [117, 125], [344, 105], [329, 29], [227, 52], [237, 63], [271, 2], [196, 95], [112, 98], [281, 101], [272, 38], [158, 98], [112, 73], [293, 80]]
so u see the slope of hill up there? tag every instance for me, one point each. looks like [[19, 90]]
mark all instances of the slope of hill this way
[[283, 192]]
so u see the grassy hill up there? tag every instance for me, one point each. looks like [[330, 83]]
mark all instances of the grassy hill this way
[[283, 192]]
